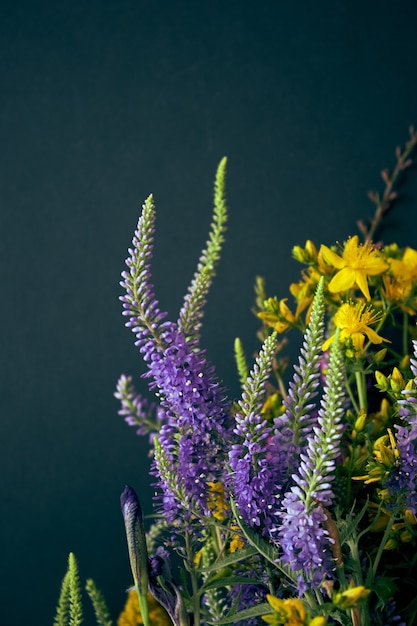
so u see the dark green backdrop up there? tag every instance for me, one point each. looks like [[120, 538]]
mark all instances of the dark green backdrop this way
[[103, 102]]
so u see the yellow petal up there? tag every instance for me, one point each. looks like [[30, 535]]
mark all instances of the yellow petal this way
[[373, 336], [361, 281], [331, 258], [358, 340], [343, 280]]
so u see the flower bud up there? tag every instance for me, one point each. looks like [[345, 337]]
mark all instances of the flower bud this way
[[380, 355], [360, 421], [349, 598], [381, 380], [397, 381], [410, 517]]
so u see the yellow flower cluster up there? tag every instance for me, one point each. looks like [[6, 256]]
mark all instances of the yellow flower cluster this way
[[130, 616], [364, 285], [290, 612]]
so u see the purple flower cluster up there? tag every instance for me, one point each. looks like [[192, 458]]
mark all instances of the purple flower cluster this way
[[197, 412], [254, 478], [292, 429], [402, 482], [303, 538], [305, 542]]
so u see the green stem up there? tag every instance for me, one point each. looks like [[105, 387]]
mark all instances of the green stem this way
[[382, 544], [143, 605], [194, 582], [361, 387]]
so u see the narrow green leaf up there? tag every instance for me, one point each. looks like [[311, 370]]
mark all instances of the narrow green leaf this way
[[231, 559], [226, 581], [253, 611]]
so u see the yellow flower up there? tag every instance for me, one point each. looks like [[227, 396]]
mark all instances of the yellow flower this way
[[130, 616], [289, 612], [353, 321], [308, 254], [278, 314], [355, 265], [406, 268], [399, 284], [349, 598], [216, 502]]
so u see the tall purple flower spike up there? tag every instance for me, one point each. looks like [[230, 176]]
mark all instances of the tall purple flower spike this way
[[192, 438]]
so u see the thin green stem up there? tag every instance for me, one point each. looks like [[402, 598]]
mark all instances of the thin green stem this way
[[382, 544], [361, 387], [194, 581]]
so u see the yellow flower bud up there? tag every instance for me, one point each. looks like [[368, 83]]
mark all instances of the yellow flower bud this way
[[397, 381], [410, 384], [405, 361], [308, 254], [381, 380], [406, 536], [390, 545], [380, 355], [384, 494], [410, 518], [360, 421], [311, 250], [349, 598]]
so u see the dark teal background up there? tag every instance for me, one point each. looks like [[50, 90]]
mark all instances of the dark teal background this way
[[102, 103]]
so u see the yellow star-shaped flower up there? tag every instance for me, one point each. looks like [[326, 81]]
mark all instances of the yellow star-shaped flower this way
[[358, 261], [353, 321]]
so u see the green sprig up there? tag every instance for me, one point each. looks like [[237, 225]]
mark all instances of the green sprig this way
[[192, 311]]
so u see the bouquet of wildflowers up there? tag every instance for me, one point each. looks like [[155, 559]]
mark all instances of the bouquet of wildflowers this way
[[289, 506]]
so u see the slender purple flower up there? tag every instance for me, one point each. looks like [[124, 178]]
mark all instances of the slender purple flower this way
[[293, 427], [139, 303], [253, 477], [194, 437], [303, 538]]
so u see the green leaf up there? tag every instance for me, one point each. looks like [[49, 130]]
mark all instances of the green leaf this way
[[253, 611], [384, 588], [232, 558], [226, 581]]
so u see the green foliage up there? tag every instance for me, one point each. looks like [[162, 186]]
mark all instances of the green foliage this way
[[192, 311], [62, 611], [100, 607], [70, 607], [240, 358]]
